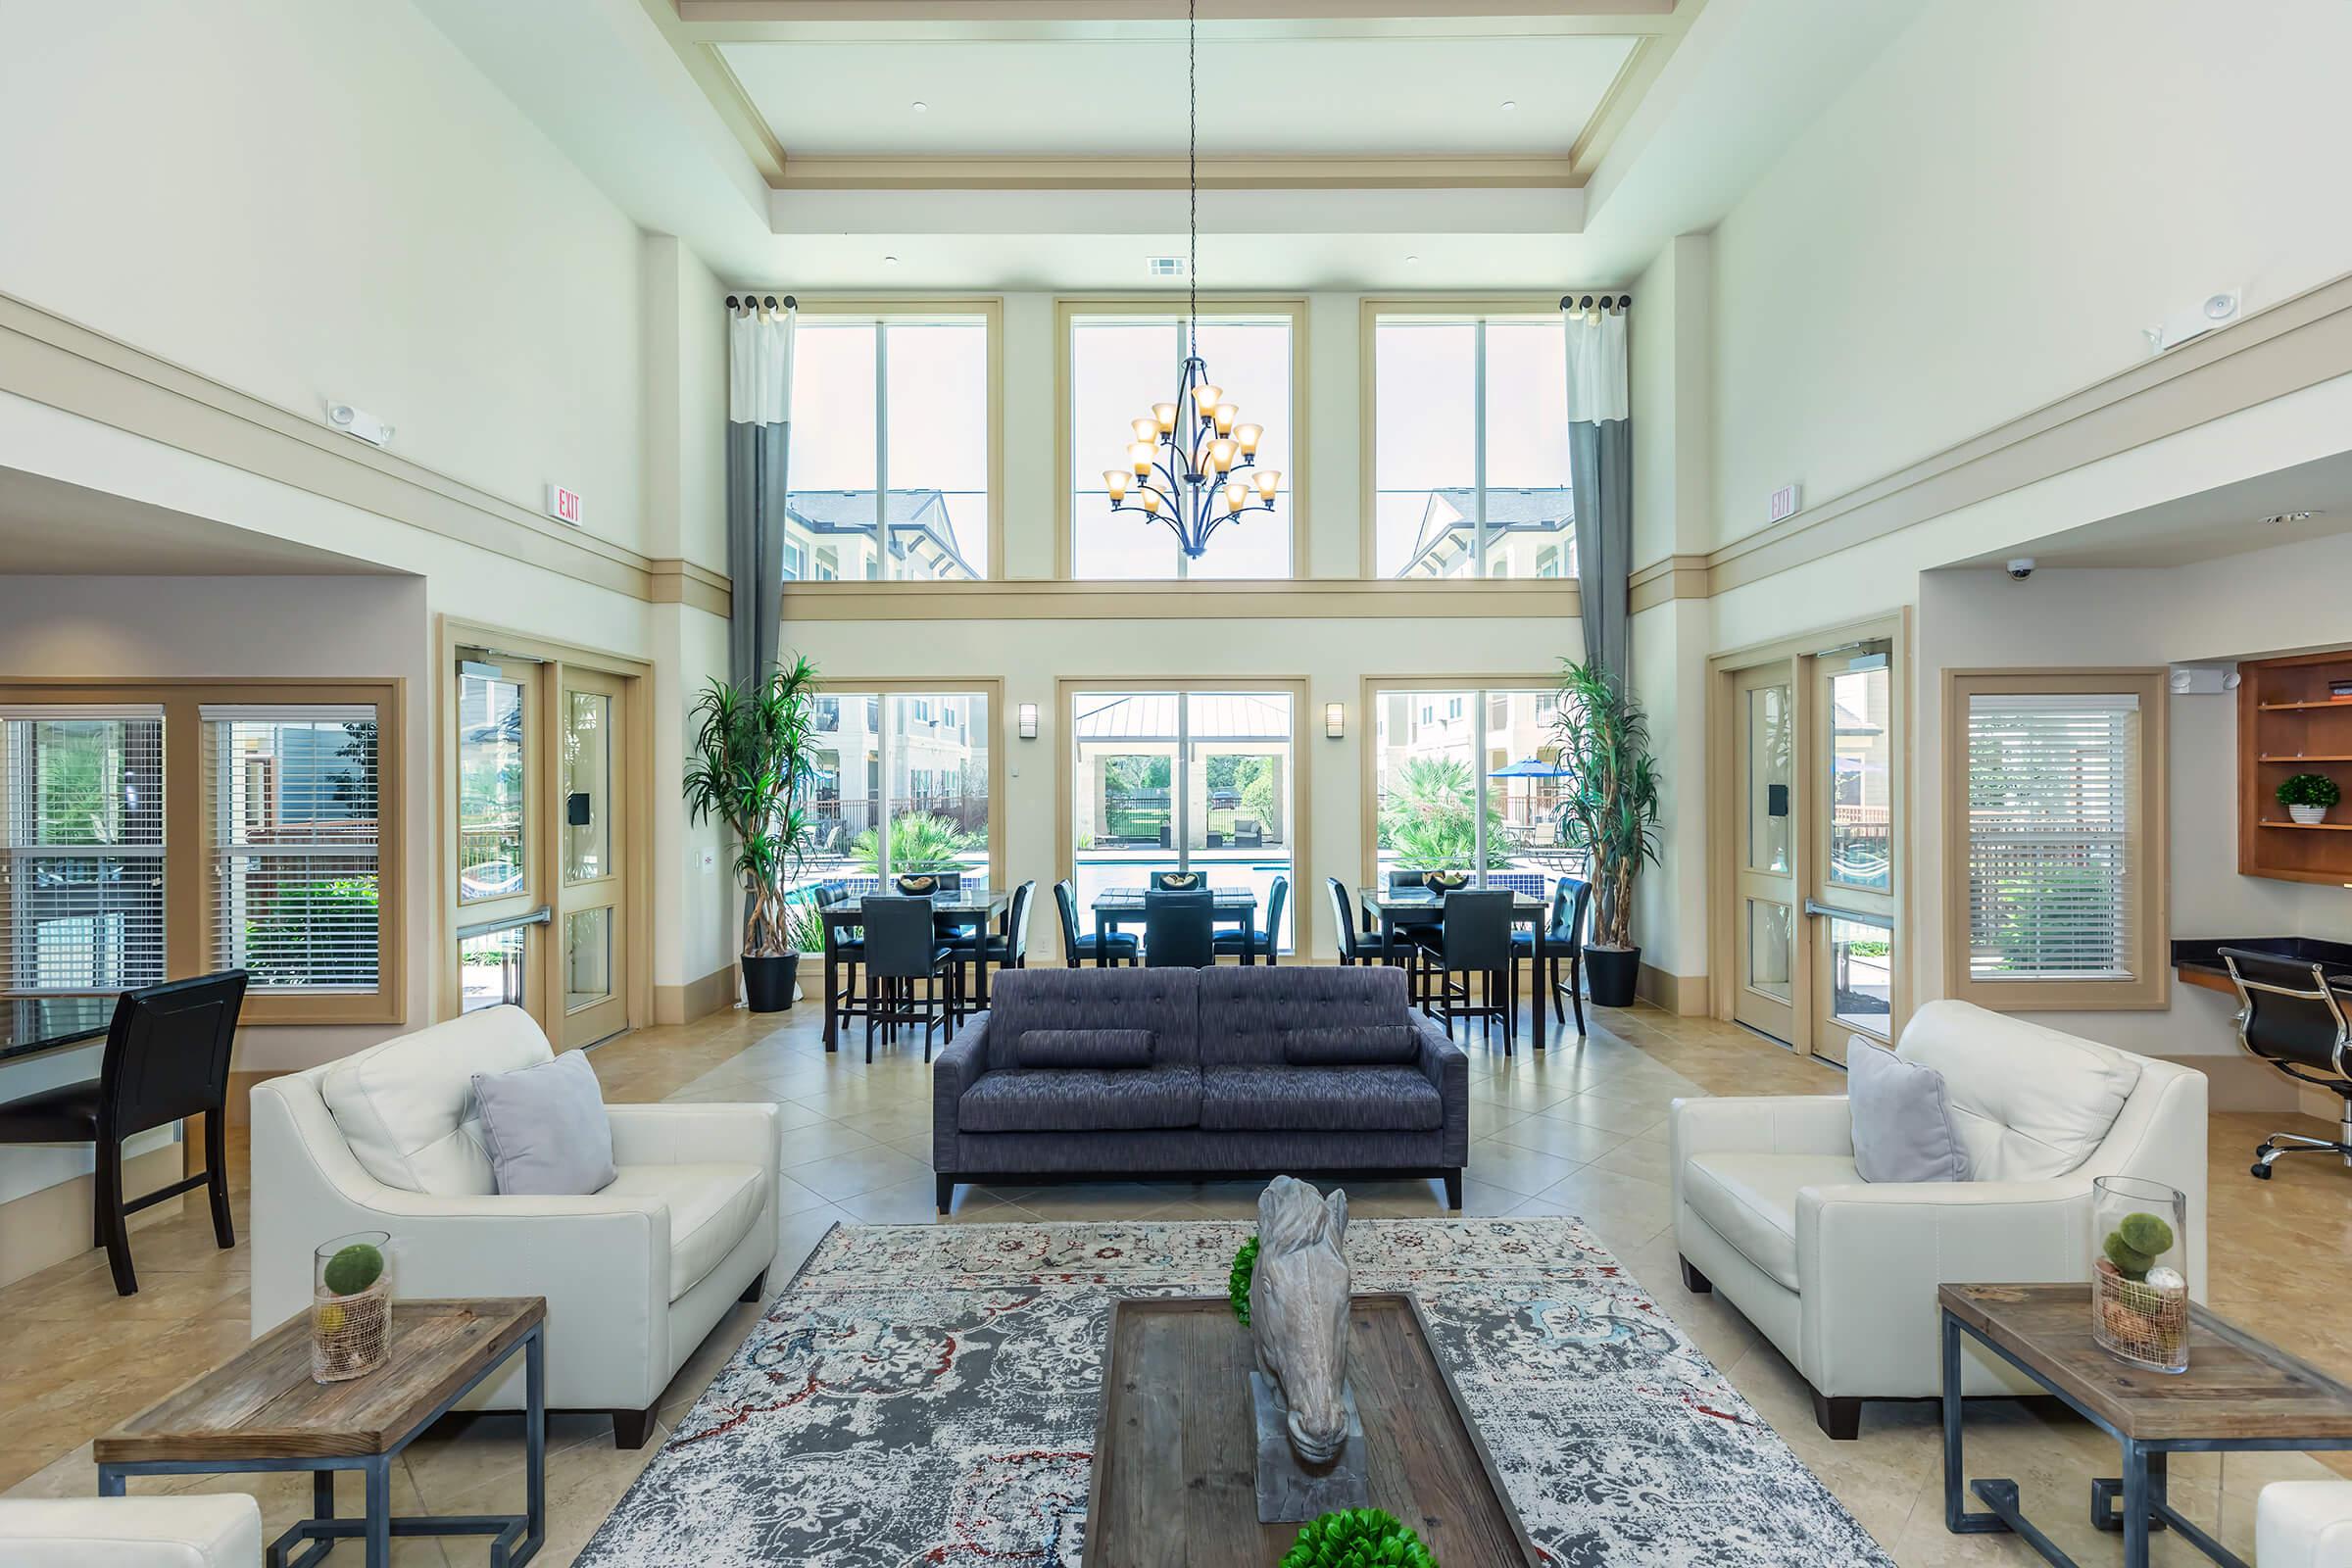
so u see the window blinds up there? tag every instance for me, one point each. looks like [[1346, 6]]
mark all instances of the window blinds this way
[[292, 840], [82, 849], [2053, 793]]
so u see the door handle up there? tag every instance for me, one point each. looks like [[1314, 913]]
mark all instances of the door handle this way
[[1883, 922]]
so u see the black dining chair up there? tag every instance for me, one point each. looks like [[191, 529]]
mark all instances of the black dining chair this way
[[1353, 949], [903, 946], [2292, 1017], [1180, 929], [1005, 950], [166, 1059], [1178, 881], [849, 951], [1248, 944], [1078, 945], [1563, 946], [1407, 879], [1474, 938]]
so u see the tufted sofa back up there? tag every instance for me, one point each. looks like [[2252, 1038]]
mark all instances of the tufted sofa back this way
[[1166, 1001], [1246, 1009]]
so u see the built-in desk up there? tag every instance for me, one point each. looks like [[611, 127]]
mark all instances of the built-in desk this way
[[2198, 959], [28, 1027]]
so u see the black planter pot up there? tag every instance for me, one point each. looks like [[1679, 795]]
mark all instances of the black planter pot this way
[[768, 983], [1611, 975]]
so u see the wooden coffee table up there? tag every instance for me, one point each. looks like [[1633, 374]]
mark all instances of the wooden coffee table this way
[[1176, 1444], [2238, 1394], [261, 1412]]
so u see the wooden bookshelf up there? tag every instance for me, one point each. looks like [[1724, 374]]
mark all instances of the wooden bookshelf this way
[[2287, 723]]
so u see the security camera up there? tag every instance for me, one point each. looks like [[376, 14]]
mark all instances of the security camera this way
[[2021, 568]]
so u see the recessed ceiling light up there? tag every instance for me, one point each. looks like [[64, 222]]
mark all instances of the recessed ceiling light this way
[[920, 106], [2290, 516], [1509, 103]]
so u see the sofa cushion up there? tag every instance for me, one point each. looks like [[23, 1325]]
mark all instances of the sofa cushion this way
[[1359, 1098], [1750, 1200], [1085, 1047], [712, 1209], [1248, 1011], [2030, 1102], [545, 1129], [407, 1106], [1075, 1100], [1164, 1001], [1351, 1045], [1902, 1119]]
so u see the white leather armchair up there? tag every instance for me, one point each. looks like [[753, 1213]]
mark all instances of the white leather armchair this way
[[1840, 1274], [635, 1276], [2303, 1524], [211, 1531]]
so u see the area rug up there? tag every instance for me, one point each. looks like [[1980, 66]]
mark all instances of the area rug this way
[[926, 1396]]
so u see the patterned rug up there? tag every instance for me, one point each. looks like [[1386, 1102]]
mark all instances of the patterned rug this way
[[926, 1396]]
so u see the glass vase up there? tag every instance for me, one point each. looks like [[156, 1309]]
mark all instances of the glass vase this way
[[351, 1307], [2139, 1272]]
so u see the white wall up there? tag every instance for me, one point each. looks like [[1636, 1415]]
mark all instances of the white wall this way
[[1988, 217], [311, 200]]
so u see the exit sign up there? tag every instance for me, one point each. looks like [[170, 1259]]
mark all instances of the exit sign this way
[[1783, 503], [564, 505]]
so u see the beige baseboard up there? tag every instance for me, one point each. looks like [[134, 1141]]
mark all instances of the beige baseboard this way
[[1683, 995], [712, 993], [46, 1228]]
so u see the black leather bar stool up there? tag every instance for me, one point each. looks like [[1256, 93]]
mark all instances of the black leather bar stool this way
[[1474, 937], [166, 1059], [1180, 929]]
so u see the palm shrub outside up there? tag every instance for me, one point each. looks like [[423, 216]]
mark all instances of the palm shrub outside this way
[[1429, 818], [919, 843]]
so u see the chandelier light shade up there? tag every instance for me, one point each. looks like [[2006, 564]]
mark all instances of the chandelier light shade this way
[[1193, 465]]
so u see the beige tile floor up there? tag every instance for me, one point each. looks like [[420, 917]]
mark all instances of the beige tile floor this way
[[1577, 1130]]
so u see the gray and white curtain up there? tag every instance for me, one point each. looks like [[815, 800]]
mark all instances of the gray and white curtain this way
[[759, 454], [1600, 474]]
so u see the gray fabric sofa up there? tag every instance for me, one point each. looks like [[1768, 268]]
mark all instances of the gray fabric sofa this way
[[1226, 1073]]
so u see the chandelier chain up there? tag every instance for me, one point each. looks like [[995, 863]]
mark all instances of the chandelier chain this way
[[1191, 142]]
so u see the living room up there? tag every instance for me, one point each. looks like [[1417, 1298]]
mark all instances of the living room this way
[[435, 436]]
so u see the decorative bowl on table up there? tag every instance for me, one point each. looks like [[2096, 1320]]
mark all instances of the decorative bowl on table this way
[[1446, 881], [2139, 1272]]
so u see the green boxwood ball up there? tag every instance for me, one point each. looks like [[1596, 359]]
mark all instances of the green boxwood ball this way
[[1357, 1538], [2146, 1233], [353, 1269], [2130, 1260], [1237, 1283]]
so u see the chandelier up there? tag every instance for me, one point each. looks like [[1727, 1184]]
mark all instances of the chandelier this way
[[1193, 465]]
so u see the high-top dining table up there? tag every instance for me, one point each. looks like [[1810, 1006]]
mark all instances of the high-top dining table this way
[[1395, 908], [973, 907], [1117, 906]]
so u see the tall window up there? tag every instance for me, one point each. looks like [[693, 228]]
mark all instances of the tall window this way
[[901, 787], [1470, 443], [891, 447], [1119, 366], [1469, 780], [82, 884], [293, 824], [2063, 864]]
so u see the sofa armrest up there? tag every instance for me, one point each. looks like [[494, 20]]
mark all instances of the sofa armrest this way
[[749, 1133], [952, 1071], [1764, 1124], [222, 1531], [1871, 1254], [1447, 1068]]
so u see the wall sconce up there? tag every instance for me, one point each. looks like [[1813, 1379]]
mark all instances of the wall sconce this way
[[1028, 721], [1335, 720]]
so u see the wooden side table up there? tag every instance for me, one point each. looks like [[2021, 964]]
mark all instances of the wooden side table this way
[[261, 1412], [2239, 1394]]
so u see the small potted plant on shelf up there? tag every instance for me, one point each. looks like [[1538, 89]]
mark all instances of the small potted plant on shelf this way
[[1610, 809], [2308, 797], [754, 756]]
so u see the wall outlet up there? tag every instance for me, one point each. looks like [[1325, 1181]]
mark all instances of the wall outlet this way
[[710, 859]]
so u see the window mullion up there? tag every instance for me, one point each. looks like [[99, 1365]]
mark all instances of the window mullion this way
[[1184, 781], [882, 449], [1478, 449], [1478, 705]]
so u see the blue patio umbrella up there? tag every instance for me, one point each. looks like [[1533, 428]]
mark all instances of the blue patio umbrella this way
[[1531, 767]]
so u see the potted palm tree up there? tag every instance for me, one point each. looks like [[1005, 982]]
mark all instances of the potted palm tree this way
[[753, 755], [1609, 809]]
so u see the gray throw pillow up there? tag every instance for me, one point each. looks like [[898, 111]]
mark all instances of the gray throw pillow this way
[[1368, 1045], [1085, 1047], [544, 1130], [1903, 1128]]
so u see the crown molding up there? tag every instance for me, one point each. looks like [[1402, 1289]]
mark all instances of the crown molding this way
[[1498, 172]]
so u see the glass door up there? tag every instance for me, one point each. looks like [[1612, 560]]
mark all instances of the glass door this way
[[1854, 766], [591, 927], [498, 910], [1236, 794], [1764, 874]]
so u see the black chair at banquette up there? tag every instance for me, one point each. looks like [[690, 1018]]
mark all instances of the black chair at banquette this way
[[1180, 929], [1120, 946], [903, 946], [1474, 938], [166, 1059], [1563, 944], [1353, 949], [2292, 1018], [1248, 944], [1006, 949]]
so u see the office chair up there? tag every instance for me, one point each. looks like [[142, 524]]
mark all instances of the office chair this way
[[2290, 1017]]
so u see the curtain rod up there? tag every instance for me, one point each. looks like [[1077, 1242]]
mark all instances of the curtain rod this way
[[754, 302], [1589, 302]]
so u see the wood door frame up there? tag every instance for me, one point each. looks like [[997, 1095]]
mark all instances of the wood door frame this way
[[1724, 800], [633, 781], [617, 690], [1785, 674]]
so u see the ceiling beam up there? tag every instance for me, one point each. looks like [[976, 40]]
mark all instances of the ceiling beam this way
[[1498, 172], [1611, 15]]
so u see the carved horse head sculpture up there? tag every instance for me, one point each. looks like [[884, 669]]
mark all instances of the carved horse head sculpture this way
[[1299, 1303]]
